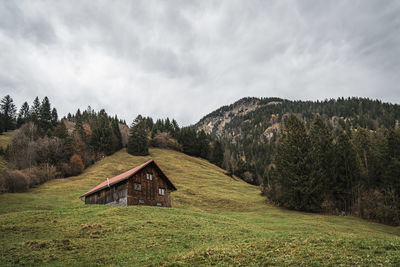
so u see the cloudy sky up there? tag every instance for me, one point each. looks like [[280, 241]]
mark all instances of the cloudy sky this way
[[183, 59]]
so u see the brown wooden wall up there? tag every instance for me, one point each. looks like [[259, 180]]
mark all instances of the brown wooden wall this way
[[148, 195], [113, 195]]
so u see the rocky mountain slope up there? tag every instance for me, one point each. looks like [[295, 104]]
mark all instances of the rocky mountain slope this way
[[250, 127]]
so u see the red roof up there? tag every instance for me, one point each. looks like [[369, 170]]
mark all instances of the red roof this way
[[125, 176]]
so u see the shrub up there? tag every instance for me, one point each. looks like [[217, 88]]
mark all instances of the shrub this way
[[379, 206], [165, 140], [15, 181], [76, 164], [42, 174]]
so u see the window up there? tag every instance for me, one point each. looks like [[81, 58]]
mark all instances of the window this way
[[149, 176], [141, 201], [137, 186], [161, 191]]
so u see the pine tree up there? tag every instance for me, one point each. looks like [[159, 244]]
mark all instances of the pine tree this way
[[202, 145], [347, 172], [391, 175], [117, 133], [54, 117], [175, 129], [321, 155], [138, 142], [101, 139], [45, 116], [362, 144], [8, 111], [61, 130], [217, 153], [23, 114], [293, 168], [35, 111]]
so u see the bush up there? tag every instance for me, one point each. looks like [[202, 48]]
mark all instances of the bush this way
[[165, 140], [76, 165], [15, 181], [42, 174], [378, 206]]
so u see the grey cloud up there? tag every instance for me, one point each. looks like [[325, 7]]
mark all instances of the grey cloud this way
[[18, 24], [183, 59]]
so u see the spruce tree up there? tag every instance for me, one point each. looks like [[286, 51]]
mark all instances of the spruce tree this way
[[45, 116], [138, 142], [8, 111], [35, 111], [54, 117], [321, 155], [293, 168], [202, 145], [117, 133], [175, 129], [23, 114], [362, 143], [101, 139], [79, 129], [347, 172], [217, 153], [61, 130]]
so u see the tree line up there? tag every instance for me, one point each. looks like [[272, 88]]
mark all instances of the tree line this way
[[318, 169], [44, 148]]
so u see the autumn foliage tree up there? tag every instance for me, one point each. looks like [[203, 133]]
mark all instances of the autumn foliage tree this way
[[76, 164]]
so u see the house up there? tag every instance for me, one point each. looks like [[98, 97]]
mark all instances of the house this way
[[146, 184]]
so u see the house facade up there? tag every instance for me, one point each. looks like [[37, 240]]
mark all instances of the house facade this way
[[146, 184]]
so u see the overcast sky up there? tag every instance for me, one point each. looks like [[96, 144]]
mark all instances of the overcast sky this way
[[184, 59]]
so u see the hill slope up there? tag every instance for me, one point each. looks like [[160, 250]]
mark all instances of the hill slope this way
[[250, 128], [214, 220]]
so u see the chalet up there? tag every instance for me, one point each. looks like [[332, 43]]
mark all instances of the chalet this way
[[146, 184]]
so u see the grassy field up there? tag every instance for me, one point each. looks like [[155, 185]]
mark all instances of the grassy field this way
[[215, 220]]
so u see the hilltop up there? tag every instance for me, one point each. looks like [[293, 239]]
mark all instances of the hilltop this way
[[256, 115], [215, 219]]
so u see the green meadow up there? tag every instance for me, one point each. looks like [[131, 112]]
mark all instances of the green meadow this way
[[215, 220]]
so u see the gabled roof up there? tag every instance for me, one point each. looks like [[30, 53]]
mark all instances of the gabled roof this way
[[126, 175]]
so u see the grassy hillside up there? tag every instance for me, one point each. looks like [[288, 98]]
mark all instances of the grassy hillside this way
[[214, 220]]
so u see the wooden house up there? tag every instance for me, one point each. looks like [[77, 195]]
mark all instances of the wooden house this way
[[146, 184]]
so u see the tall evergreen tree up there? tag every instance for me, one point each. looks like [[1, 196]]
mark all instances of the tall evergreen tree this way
[[117, 133], [217, 153], [138, 142], [45, 116], [203, 146], [175, 129], [8, 111], [79, 129], [101, 139], [54, 117], [23, 114], [347, 169], [35, 111], [61, 130], [299, 192], [188, 139], [321, 155], [362, 143], [391, 175]]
